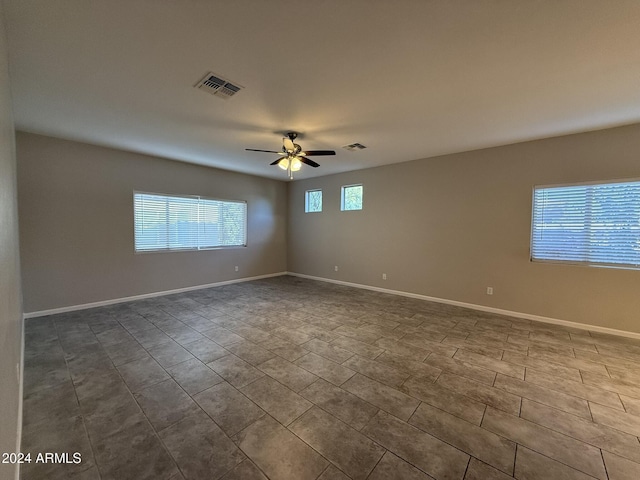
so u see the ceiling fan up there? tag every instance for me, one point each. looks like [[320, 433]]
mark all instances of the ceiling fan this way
[[292, 156]]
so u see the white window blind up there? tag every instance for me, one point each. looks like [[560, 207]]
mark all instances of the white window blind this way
[[168, 222], [595, 224]]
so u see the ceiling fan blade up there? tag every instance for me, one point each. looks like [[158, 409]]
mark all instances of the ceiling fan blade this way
[[309, 162], [255, 150], [288, 144], [276, 162], [310, 153]]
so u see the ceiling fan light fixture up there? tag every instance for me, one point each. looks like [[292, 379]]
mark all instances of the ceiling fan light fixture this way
[[284, 163], [292, 156]]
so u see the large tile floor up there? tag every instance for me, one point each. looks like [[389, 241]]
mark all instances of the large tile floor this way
[[292, 379]]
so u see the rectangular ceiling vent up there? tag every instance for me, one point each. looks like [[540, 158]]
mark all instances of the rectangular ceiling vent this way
[[354, 147], [218, 86]]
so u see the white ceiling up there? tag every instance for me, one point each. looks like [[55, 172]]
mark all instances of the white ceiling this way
[[407, 78]]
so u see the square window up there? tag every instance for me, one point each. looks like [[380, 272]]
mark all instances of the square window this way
[[351, 197], [313, 201]]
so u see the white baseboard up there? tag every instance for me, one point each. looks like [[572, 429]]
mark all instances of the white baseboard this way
[[84, 306], [482, 308], [473, 306]]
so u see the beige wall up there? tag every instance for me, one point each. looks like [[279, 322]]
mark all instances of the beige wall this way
[[76, 224], [450, 226], [445, 227], [10, 299]]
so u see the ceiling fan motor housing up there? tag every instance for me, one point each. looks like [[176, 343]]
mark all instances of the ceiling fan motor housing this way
[[292, 156]]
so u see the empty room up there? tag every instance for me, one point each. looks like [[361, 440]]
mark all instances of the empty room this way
[[300, 240]]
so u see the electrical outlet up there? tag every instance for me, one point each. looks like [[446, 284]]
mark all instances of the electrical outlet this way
[[236, 268], [489, 290], [384, 276], [336, 268]]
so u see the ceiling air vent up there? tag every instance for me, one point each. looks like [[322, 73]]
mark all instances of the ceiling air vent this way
[[216, 85], [354, 147]]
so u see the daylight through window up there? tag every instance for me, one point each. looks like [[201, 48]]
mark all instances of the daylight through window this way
[[168, 222], [596, 224], [313, 201], [351, 197]]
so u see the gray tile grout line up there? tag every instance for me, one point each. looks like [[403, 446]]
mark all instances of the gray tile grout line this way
[[148, 421], [520, 408], [606, 470], [484, 412], [207, 414], [540, 453], [329, 413], [156, 432], [288, 430], [326, 468], [469, 463], [265, 414], [591, 412], [395, 387], [548, 406], [64, 357], [450, 444], [84, 424], [378, 462], [310, 446], [579, 418]]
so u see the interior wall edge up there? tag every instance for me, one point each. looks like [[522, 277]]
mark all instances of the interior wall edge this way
[[21, 399], [481, 308], [114, 301]]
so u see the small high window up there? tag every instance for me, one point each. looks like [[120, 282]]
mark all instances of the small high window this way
[[351, 198], [313, 201]]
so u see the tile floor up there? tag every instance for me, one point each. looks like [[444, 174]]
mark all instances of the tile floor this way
[[287, 378]]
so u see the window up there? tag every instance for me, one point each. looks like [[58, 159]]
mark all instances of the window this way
[[351, 197], [313, 201], [595, 224], [168, 222]]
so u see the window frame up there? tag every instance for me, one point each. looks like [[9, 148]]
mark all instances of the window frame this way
[[342, 194], [306, 200], [189, 249], [587, 263]]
